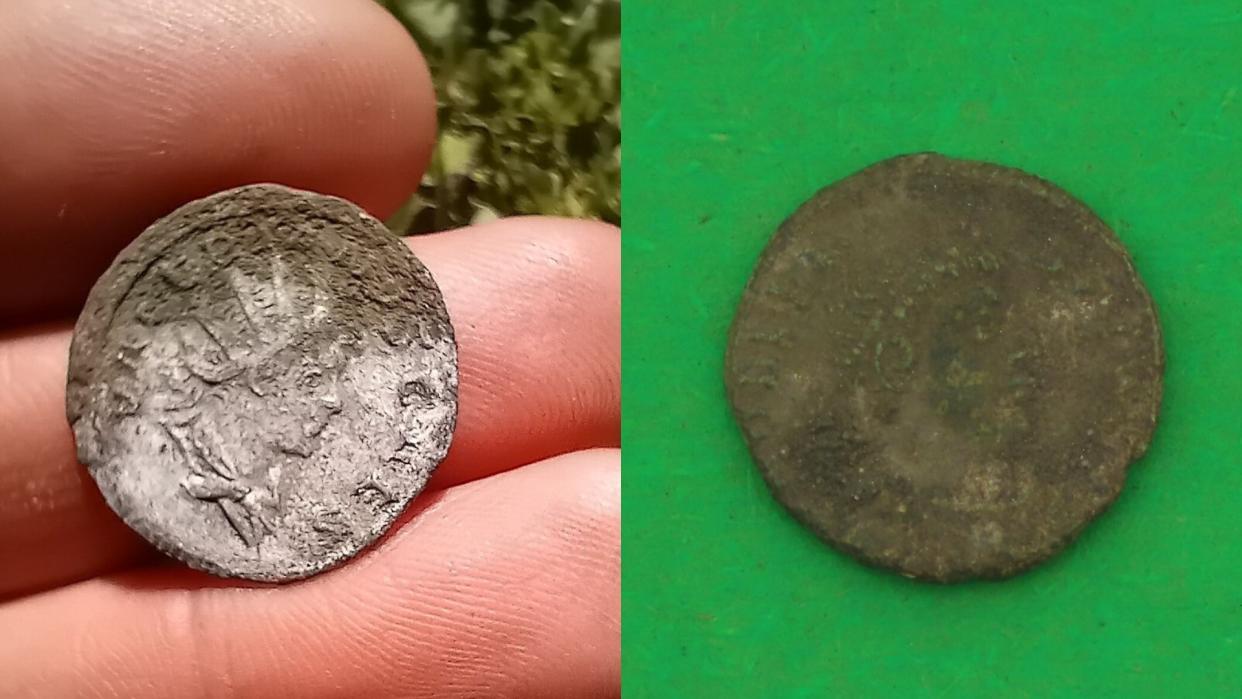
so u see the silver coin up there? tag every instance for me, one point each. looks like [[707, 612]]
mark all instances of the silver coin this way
[[262, 381]]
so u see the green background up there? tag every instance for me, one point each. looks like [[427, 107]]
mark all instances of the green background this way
[[739, 111]]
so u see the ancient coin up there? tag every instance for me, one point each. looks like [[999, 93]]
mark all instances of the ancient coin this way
[[945, 367], [262, 381]]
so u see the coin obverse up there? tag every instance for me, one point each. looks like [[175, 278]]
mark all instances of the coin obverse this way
[[945, 367], [262, 381]]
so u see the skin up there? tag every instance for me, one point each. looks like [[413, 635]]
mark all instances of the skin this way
[[502, 579]]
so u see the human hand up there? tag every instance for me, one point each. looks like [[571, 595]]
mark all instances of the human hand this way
[[502, 579]]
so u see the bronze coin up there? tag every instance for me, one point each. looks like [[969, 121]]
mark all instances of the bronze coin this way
[[945, 367]]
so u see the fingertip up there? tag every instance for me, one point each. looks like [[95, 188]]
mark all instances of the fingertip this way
[[536, 306], [508, 586], [127, 109]]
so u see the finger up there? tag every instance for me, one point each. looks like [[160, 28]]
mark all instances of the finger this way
[[117, 111], [53, 520], [508, 586], [535, 304]]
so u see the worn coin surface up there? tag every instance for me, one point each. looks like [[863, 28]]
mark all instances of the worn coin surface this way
[[945, 367], [262, 381]]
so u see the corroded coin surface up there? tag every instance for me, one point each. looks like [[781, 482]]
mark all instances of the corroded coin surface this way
[[945, 367], [262, 381]]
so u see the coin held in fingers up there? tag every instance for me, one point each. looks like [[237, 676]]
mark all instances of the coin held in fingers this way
[[262, 381]]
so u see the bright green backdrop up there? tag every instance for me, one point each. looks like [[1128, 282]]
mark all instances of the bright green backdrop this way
[[737, 112]]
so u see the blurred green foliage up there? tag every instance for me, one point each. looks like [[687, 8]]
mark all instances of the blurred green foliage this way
[[529, 97]]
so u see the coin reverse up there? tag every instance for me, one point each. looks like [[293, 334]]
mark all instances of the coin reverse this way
[[945, 367]]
